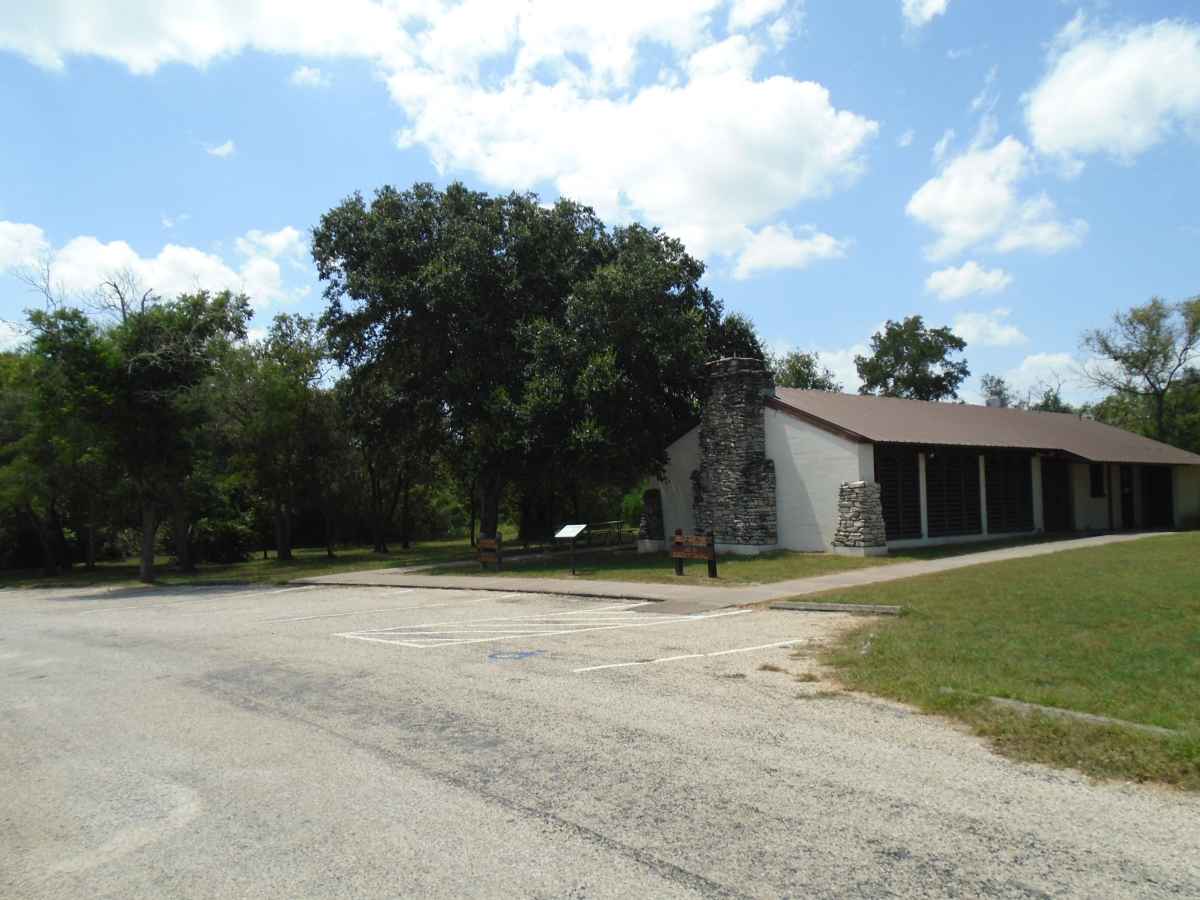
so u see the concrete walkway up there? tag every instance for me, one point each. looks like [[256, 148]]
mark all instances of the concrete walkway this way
[[693, 598]]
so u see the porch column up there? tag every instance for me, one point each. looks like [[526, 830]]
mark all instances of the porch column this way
[[983, 523], [924, 499]]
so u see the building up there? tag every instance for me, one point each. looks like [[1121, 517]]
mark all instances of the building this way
[[771, 468]]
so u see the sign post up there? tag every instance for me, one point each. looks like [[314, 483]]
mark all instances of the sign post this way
[[570, 532], [491, 550], [694, 546]]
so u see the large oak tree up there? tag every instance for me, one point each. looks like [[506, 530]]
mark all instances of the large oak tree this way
[[553, 347]]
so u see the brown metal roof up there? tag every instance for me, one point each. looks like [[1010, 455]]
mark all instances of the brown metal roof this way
[[918, 422]]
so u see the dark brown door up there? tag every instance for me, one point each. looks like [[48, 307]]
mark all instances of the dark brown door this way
[[1056, 495], [1127, 520], [1158, 508]]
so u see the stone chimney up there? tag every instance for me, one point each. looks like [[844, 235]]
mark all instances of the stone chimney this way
[[734, 488]]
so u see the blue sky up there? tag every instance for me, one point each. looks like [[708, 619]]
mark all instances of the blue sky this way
[[1016, 171]]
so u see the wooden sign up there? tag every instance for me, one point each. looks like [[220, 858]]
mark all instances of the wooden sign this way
[[491, 550], [685, 552], [694, 546]]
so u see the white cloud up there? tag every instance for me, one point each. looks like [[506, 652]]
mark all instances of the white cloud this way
[[988, 329], [145, 35], [1037, 227], [748, 13], [753, 149], [906, 139], [169, 222], [11, 336], [80, 265], [778, 247], [539, 95], [985, 99], [919, 13], [286, 242], [943, 145], [841, 363], [969, 278], [975, 199], [21, 245], [736, 55], [1117, 92], [1042, 369], [781, 30], [309, 76], [222, 151]]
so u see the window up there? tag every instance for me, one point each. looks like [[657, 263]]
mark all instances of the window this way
[[1009, 492], [1096, 475], [952, 492], [898, 474]]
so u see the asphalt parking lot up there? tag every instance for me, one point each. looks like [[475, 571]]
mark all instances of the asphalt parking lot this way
[[367, 742]]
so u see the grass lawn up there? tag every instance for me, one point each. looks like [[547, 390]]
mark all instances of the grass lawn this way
[[1111, 630], [784, 565], [307, 563]]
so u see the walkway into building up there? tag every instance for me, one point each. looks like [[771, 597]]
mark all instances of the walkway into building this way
[[689, 598]]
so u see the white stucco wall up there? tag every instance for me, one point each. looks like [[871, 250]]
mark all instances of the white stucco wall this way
[[1089, 513], [676, 485], [810, 465], [1187, 496]]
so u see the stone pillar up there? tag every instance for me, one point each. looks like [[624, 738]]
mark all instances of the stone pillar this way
[[651, 537], [734, 488], [860, 530]]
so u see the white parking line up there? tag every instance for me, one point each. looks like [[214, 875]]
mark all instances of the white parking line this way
[[542, 625], [663, 659]]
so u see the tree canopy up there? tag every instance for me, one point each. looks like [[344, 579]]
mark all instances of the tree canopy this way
[[798, 369], [1144, 352], [547, 341], [910, 360]]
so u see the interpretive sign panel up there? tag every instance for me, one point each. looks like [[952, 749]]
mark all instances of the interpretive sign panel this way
[[694, 546]]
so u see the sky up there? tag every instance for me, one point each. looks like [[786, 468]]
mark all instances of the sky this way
[[1017, 172]]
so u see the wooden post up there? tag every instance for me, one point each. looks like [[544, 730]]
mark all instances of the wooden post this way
[[712, 560]]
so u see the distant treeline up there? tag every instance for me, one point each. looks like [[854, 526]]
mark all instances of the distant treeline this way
[[479, 359]]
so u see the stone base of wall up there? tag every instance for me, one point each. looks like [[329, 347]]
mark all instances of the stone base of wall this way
[[860, 516], [647, 546], [859, 551]]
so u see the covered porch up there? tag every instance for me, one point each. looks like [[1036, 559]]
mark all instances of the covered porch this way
[[940, 494]]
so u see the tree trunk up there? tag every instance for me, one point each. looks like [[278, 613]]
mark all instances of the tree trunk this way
[[474, 507], [404, 536], [149, 529], [330, 530], [283, 533], [489, 520], [183, 538], [58, 539], [49, 557], [89, 558], [378, 536], [1160, 416]]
